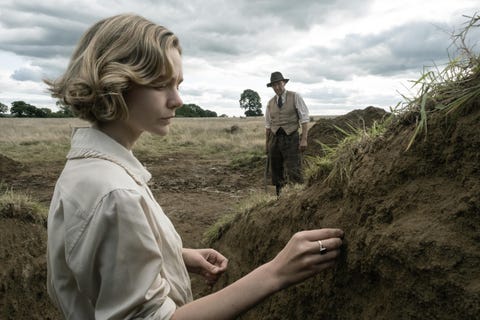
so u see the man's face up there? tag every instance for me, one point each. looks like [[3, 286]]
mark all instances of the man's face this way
[[278, 87]]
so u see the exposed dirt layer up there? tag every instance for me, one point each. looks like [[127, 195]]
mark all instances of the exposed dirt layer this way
[[329, 131], [411, 218], [412, 223]]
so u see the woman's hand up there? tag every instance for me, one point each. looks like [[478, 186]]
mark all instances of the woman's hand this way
[[302, 257], [208, 263]]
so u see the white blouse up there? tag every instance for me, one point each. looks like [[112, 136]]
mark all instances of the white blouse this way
[[112, 252]]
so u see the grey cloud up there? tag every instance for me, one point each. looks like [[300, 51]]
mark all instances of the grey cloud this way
[[215, 44], [410, 47], [52, 67], [205, 28], [402, 49], [332, 95], [35, 35], [27, 74], [303, 15], [38, 51], [52, 9], [250, 27]]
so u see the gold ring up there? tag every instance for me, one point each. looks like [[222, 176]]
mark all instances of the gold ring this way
[[323, 250]]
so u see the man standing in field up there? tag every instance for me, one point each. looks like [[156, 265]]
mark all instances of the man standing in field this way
[[285, 113]]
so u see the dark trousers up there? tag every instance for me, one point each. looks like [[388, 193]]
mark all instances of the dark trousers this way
[[285, 159]]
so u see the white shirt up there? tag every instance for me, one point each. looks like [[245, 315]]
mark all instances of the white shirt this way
[[300, 105], [112, 252]]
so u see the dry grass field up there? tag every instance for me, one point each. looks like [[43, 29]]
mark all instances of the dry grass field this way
[[31, 139]]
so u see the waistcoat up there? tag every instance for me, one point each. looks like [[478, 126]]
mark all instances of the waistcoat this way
[[285, 117]]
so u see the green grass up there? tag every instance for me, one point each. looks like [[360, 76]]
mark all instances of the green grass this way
[[20, 206], [338, 163]]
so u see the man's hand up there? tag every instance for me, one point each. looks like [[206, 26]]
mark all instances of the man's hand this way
[[303, 140], [303, 145], [268, 137], [206, 262]]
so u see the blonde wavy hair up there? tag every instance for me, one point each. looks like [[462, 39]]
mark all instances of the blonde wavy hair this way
[[111, 56]]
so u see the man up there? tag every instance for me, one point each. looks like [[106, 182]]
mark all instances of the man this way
[[285, 113]]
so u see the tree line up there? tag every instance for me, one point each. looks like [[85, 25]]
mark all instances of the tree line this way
[[21, 109], [249, 100]]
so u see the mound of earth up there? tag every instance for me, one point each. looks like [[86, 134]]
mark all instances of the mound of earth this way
[[328, 131], [412, 231], [23, 275]]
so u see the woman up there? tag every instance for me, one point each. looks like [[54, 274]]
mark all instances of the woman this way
[[112, 252]]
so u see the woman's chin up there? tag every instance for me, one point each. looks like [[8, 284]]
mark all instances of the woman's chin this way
[[162, 131]]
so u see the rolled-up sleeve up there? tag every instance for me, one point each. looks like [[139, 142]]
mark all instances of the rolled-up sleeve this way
[[118, 263], [268, 121], [302, 108]]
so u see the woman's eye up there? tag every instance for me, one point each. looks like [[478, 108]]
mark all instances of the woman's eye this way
[[160, 86], [172, 84]]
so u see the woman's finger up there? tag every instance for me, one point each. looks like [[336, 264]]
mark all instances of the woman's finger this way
[[325, 245]]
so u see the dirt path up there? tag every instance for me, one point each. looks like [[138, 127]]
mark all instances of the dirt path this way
[[195, 192]]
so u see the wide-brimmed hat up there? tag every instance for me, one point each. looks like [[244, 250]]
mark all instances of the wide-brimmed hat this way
[[275, 77]]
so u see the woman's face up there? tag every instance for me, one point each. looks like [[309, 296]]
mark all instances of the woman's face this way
[[152, 109]]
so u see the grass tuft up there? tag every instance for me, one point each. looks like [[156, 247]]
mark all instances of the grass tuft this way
[[449, 90], [15, 205], [338, 163]]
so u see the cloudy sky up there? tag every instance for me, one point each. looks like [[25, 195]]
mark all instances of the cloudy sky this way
[[339, 55]]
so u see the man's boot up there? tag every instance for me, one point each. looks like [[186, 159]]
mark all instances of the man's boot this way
[[278, 188]]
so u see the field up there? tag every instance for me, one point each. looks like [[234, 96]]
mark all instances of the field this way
[[216, 159], [192, 167]]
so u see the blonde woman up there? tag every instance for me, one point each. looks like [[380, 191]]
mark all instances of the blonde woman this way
[[112, 252]]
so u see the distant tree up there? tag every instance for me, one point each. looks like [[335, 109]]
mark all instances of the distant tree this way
[[192, 110], [44, 113], [3, 109], [22, 109], [250, 101]]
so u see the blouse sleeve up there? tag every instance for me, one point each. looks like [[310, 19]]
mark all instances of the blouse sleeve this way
[[117, 261]]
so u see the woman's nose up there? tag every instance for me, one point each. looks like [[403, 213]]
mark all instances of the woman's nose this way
[[175, 101]]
